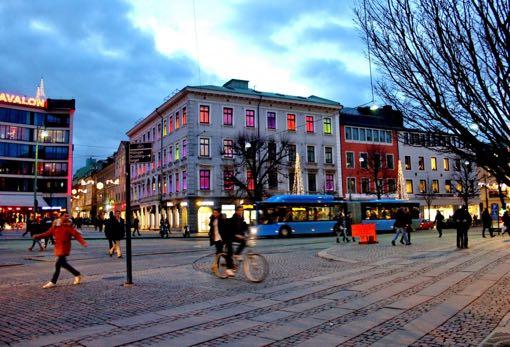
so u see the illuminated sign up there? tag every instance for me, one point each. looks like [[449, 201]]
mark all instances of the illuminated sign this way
[[22, 100], [205, 203]]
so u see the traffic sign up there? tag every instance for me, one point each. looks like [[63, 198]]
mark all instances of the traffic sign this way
[[140, 152]]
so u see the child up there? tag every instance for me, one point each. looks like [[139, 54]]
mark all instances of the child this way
[[62, 230]]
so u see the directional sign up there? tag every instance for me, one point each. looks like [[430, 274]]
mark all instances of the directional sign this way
[[140, 152]]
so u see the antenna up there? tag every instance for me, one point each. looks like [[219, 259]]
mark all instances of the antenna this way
[[196, 42]]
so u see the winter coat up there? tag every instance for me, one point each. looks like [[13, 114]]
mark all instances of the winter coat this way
[[117, 229], [462, 219], [222, 229], [506, 219], [62, 235], [486, 219], [236, 226], [401, 219]]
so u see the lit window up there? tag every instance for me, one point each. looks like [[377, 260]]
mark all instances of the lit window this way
[[327, 126], [351, 185], [177, 120], [165, 130], [291, 122], [407, 161], [409, 186], [184, 148], [363, 160], [446, 164], [204, 147], [435, 186], [250, 180], [448, 186], [330, 183], [177, 152], [421, 163], [171, 124], [228, 183], [205, 179], [228, 116], [423, 186], [309, 124], [228, 148], [204, 114], [433, 163], [271, 120], [184, 116], [250, 118]]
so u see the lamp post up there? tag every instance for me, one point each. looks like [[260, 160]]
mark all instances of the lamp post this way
[[43, 134]]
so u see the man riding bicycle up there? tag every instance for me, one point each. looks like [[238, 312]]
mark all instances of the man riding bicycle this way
[[236, 232]]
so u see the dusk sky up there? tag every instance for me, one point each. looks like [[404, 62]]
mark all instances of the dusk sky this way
[[120, 59]]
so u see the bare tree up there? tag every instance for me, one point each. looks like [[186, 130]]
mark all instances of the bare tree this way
[[257, 162], [446, 65], [428, 195], [467, 182], [374, 165]]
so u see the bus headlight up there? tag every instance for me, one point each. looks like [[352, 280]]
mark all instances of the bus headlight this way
[[253, 230]]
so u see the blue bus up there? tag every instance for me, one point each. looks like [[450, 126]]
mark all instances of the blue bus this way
[[285, 215]]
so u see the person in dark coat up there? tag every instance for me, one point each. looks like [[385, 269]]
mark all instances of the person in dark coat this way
[[136, 226], [107, 231], [237, 229], [439, 223], [506, 223], [339, 229], [34, 228], [217, 228], [401, 221], [348, 225], [117, 232], [463, 221], [486, 222]]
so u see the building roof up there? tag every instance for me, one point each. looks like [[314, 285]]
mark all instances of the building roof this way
[[383, 117]]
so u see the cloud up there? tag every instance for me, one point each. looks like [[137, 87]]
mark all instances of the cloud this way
[[92, 52]]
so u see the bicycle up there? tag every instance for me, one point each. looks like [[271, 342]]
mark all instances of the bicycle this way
[[255, 266]]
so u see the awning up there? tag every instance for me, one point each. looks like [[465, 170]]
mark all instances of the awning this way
[[20, 200]]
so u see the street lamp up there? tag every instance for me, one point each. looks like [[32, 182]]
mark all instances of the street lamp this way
[[43, 134]]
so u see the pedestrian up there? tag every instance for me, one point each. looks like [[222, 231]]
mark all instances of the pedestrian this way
[[475, 220], [107, 231], [236, 232], [339, 229], [463, 221], [506, 223], [117, 233], [348, 225], [486, 222], [136, 226], [163, 228], [217, 225], [62, 231], [34, 229], [400, 225], [439, 222]]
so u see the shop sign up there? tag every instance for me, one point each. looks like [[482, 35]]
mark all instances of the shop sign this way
[[205, 203], [22, 100]]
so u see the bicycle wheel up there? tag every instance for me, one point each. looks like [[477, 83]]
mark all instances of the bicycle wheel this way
[[255, 267], [221, 263]]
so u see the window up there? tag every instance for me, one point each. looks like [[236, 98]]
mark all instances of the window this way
[[205, 179], [457, 164], [228, 116], [204, 147], [327, 126], [184, 181], [328, 155], [446, 164], [250, 118], [170, 183], [312, 184], [184, 148], [409, 186], [309, 124], [184, 116], [330, 183], [448, 186], [250, 180], [177, 120], [365, 185], [165, 130], [435, 186], [389, 161], [363, 160], [204, 114], [349, 160], [177, 186], [177, 152], [355, 134], [459, 187], [351, 185], [433, 163], [271, 120], [292, 152], [228, 148], [407, 161], [362, 134], [291, 122], [392, 185], [375, 135], [423, 186], [421, 163], [388, 136], [310, 154], [369, 135], [170, 154], [348, 133], [170, 124], [272, 180], [228, 183]]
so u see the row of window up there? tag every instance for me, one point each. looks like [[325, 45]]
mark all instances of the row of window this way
[[174, 122], [388, 185], [10, 184], [434, 187], [17, 133], [16, 150], [433, 163], [271, 120], [365, 161], [33, 118], [430, 140], [15, 167], [368, 135]]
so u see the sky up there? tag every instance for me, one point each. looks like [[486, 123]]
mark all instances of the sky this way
[[121, 58]]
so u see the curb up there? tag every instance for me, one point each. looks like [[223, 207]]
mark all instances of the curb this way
[[325, 255]]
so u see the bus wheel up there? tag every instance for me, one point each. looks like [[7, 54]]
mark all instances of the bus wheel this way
[[285, 232]]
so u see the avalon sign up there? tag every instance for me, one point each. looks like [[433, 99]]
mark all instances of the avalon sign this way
[[140, 152], [22, 100]]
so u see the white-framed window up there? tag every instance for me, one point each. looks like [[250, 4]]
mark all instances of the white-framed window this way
[[228, 148], [205, 147], [349, 160], [271, 120], [351, 185], [328, 155]]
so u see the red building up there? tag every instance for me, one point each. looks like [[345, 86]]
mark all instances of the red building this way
[[369, 151]]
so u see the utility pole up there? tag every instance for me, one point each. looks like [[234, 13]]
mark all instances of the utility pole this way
[[129, 267], [36, 164]]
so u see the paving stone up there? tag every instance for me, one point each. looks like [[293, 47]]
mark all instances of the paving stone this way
[[323, 340], [410, 301], [71, 335], [332, 313], [341, 294], [443, 284], [301, 292], [248, 341], [377, 281], [272, 316], [288, 329], [261, 303], [307, 305], [136, 320]]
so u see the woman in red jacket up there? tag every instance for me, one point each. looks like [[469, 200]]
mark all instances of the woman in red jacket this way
[[62, 230]]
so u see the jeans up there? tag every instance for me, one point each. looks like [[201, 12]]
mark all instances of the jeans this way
[[397, 234], [486, 228], [116, 247], [230, 251], [62, 262]]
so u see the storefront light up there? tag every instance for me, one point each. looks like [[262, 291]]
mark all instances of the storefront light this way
[[205, 203]]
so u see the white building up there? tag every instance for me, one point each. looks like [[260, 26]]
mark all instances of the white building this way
[[197, 124], [431, 172]]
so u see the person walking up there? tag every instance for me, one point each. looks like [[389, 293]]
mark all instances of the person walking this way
[[117, 232], [136, 226], [63, 231], [348, 225], [486, 222], [217, 225], [400, 225], [463, 221], [107, 231], [439, 222], [506, 223], [34, 229], [339, 229]]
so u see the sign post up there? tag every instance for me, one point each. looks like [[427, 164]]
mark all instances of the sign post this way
[[135, 153]]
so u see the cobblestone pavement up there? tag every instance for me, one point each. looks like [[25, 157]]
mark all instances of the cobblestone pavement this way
[[317, 293]]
